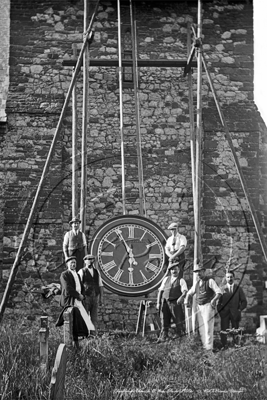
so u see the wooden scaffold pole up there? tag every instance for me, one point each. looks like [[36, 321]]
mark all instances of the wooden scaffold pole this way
[[26, 232], [74, 146], [198, 165], [237, 164], [84, 126], [137, 115]]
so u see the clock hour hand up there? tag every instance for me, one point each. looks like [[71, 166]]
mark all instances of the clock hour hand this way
[[128, 248]]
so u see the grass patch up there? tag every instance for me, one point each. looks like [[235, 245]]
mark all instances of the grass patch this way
[[121, 366]]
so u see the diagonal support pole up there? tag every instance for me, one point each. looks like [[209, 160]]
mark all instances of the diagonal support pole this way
[[237, 164], [26, 232]]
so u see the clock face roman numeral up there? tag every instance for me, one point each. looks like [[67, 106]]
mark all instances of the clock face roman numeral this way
[[107, 253], [109, 265], [143, 276], [131, 232], [106, 240], [118, 275], [152, 267], [151, 244], [152, 256]]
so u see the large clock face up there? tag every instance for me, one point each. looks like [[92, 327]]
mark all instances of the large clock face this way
[[130, 254]]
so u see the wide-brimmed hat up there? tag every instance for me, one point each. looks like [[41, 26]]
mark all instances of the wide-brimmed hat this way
[[89, 257], [173, 225], [74, 220], [69, 259], [174, 264], [198, 268]]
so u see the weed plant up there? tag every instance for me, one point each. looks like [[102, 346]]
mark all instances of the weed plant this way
[[118, 365]]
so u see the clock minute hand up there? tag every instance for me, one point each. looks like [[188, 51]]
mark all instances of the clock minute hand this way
[[123, 240]]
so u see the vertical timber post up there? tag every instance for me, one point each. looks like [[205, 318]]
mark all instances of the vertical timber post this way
[[43, 339], [189, 322], [74, 146], [121, 112], [84, 126]]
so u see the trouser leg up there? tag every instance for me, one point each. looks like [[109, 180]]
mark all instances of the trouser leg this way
[[206, 327], [225, 322], [165, 317], [178, 317]]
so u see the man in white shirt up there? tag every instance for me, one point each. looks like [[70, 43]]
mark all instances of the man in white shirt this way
[[169, 302], [175, 246], [93, 286], [74, 243], [207, 293]]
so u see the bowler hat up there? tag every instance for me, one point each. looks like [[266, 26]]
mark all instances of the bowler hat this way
[[89, 257], [74, 220], [198, 268], [69, 259], [173, 225]]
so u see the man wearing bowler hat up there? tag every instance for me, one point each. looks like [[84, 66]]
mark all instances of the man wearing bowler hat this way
[[207, 293], [72, 295], [175, 246], [74, 243], [93, 285], [171, 295]]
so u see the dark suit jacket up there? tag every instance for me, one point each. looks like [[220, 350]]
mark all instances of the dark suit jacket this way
[[232, 303], [68, 289]]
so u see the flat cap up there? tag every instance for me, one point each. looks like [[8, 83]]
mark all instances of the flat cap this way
[[173, 225], [89, 257]]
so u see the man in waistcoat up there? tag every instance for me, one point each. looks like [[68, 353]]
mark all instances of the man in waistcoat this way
[[231, 303], [169, 302], [74, 243], [207, 293], [72, 295], [175, 247], [93, 285]]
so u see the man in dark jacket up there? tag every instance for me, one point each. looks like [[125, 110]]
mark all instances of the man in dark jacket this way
[[93, 285], [72, 291], [170, 298], [231, 303]]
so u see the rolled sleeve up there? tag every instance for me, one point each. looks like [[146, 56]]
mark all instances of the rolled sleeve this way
[[183, 285], [213, 285]]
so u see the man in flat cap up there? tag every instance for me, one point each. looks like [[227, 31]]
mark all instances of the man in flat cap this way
[[93, 285], [72, 294], [171, 295], [74, 243], [175, 246], [207, 293]]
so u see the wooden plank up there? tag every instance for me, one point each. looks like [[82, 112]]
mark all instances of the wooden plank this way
[[68, 326], [57, 384], [43, 339], [161, 63]]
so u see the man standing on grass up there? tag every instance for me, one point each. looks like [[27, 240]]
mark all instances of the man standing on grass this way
[[231, 303], [169, 302], [207, 293], [93, 285], [72, 295], [74, 243]]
